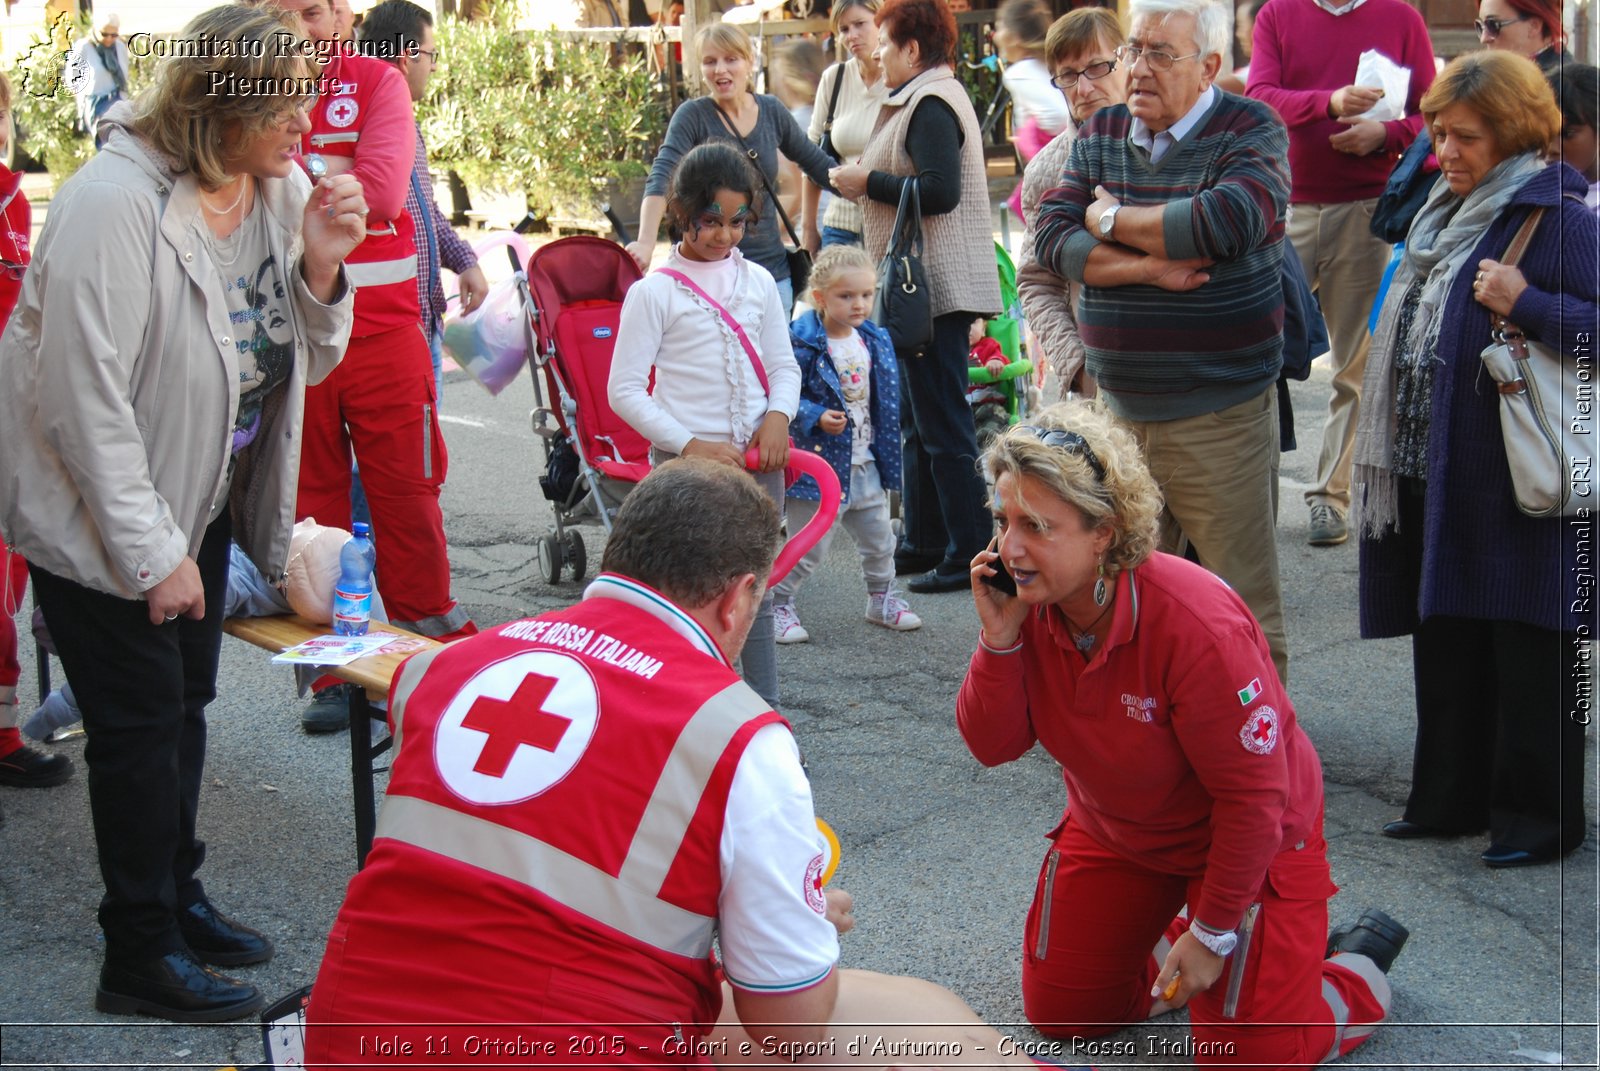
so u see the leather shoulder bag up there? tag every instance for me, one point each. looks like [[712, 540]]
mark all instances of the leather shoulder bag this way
[[904, 305], [1552, 472]]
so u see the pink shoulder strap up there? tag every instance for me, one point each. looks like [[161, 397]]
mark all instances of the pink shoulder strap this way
[[727, 318]]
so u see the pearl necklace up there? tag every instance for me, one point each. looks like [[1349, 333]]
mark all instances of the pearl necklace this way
[[244, 185]]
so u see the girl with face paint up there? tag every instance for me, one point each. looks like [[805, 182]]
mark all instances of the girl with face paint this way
[[712, 328]]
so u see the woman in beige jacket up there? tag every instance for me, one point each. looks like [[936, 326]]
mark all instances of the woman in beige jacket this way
[[187, 286]]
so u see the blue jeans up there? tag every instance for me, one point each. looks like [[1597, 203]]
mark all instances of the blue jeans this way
[[839, 236], [786, 295], [436, 344]]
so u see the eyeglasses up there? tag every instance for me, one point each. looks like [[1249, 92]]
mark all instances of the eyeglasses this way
[[432, 54], [1157, 60], [12, 270], [1069, 77], [1071, 442], [1492, 26]]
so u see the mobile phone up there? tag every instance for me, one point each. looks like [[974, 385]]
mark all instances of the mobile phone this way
[[1001, 580]]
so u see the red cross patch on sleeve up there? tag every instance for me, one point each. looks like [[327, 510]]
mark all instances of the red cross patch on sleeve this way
[[1259, 734], [813, 889]]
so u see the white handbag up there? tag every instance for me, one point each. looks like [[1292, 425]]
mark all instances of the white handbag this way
[[1552, 469]]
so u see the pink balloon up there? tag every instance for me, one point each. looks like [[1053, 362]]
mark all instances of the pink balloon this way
[[803, 463]]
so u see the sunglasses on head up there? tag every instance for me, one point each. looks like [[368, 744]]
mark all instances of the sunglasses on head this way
[[1071, 442]]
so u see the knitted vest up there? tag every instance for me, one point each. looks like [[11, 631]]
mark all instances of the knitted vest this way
[[957, 247]]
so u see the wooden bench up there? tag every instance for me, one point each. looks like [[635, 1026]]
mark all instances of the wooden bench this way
[[371, 674]]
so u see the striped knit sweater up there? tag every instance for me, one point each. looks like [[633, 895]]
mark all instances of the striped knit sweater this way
[[1159, 355]]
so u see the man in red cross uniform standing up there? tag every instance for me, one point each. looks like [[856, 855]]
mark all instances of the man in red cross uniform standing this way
[[579, 802], [381, 400]]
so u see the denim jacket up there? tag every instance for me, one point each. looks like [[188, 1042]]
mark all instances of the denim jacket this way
[[820, 391]]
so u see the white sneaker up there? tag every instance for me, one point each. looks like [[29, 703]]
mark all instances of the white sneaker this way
[[888, 609], [786, 626]]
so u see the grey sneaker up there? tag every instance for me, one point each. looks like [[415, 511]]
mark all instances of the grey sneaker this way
[[1327, 527]]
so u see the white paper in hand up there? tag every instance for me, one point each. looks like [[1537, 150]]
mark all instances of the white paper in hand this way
[[1376, 69]]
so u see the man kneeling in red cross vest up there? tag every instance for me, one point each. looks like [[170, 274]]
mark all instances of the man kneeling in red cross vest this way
[[578, 803]]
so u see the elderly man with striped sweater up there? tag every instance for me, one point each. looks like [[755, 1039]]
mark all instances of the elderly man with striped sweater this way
[[1171, 215]]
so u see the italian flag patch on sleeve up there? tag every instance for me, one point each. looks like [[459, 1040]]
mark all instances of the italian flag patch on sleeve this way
[[1248, 693]]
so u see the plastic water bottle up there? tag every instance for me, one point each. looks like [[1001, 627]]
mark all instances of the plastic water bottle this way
[[352, 595]]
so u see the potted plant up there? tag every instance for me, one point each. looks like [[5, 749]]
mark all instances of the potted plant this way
[[547, 118]]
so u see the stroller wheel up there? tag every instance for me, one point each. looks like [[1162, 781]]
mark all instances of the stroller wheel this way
[[549, 551], [576, 553]]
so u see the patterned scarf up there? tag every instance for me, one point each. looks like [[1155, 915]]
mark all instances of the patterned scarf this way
[[1441, 239]]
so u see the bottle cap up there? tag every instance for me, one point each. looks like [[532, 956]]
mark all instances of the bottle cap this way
[[360, 529]]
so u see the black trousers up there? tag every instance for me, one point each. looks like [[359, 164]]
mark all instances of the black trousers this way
[[943, 499], [1497, 743], [143, 690]]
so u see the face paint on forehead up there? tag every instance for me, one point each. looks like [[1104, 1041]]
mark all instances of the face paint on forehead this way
[[715, 209]]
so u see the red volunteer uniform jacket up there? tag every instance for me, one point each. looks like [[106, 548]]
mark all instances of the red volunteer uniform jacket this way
[[548, 851], [1179, 745], [17, 218], [365, 102]]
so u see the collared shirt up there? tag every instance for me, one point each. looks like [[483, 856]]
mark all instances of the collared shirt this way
[[1156, 144], [628, 590], [437, 242], [1338, 9]]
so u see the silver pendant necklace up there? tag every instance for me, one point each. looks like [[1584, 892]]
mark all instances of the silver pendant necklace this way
[[1084, 640]]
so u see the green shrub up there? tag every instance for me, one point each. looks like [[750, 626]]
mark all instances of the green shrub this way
[[554, 117]]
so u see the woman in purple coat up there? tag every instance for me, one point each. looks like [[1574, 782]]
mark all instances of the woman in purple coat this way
[[1487, 594]]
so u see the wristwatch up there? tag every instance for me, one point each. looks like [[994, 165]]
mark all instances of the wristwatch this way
[[1108, 219], [1220, 944]]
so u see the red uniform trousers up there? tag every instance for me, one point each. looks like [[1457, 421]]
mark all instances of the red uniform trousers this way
[[13, 582], [1103, 914], [381, 400]]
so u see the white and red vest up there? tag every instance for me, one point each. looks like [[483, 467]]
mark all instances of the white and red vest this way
[[548, 850], [383, 268]]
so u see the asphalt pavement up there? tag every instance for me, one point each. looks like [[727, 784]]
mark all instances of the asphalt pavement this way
[[940, 853]]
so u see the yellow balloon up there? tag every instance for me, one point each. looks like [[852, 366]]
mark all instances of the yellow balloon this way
[[832, 840]]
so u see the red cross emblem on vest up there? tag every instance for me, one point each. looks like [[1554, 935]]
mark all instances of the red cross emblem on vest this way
[[516, 727], [1259, 734], [512, 723]]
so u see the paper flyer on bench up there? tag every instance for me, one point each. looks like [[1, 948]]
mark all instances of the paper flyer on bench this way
[[335, 650]]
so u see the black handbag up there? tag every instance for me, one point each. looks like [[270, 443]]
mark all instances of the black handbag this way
[[798, 256], [1405, 193], [904, 306], [826, 145]]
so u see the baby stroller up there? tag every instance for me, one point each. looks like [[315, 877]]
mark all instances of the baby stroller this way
[[592, 458]]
